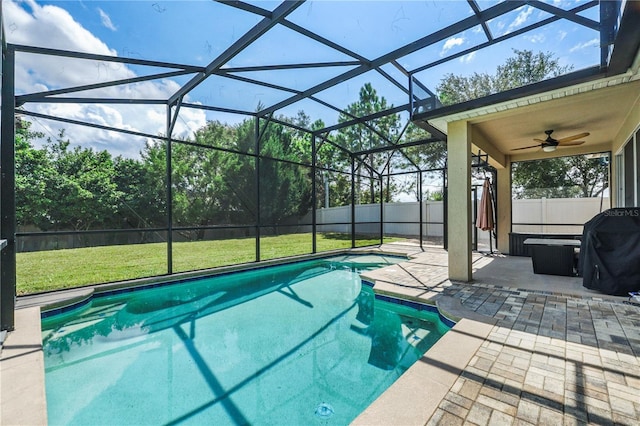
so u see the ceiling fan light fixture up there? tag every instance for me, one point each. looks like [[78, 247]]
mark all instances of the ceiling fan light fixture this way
[[549, 148]]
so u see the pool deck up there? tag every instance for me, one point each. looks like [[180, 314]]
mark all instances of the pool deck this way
[[539, 349], [529, 349]]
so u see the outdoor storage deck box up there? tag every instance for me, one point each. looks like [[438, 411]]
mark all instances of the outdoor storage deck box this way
[[610, 252]]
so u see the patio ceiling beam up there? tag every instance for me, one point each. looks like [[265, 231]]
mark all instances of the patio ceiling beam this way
[[249, 37], [35, 97], [569, 15], [105, 58], [483, 23], [515, 33], [436, 133], [465, 24]]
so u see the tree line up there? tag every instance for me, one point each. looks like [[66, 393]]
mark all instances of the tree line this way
[[215, 179], [64, 186]]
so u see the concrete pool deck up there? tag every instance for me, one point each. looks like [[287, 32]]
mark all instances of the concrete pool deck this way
[[530, 349]]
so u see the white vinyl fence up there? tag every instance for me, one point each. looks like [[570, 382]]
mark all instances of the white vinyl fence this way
[[559, 215], [566, 214], [399, 218]]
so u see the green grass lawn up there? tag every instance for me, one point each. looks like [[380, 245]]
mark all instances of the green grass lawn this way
[[57, 269]]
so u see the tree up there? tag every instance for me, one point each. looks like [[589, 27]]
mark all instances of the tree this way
[[360, 137], [33, 170], [426, 156], [142, 185], [558, 177], [285, 187], [213, 186], [562, 177], [82, 193], [524, 68], [542, 179]]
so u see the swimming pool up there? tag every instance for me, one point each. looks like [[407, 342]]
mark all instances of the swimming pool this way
[[301, 343]]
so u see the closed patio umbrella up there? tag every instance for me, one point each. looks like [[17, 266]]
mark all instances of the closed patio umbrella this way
[[485, 215]]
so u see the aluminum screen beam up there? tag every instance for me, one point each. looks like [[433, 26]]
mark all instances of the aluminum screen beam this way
[[288, 67], [478, 12], [493, 41], [627, 40], [8, 194], [465, 24], [76, 100], [569, 15], [95, 126], [36, 97], [279, 13], [105, 58]]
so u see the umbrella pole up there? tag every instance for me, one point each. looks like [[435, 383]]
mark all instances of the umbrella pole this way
[[490, 243]]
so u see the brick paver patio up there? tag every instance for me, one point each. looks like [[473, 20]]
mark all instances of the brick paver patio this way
[[551, 358]]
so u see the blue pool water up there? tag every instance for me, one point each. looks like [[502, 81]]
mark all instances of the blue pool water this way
[[304, 343]]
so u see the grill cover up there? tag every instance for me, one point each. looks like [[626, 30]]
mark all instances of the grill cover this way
[[610, 252]]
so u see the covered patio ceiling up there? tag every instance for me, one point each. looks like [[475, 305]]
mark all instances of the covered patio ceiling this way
[[598, 108]]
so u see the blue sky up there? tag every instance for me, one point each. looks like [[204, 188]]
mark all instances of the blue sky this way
[[195, 32]]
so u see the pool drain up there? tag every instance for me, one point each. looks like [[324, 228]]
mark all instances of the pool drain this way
[[324, 410]]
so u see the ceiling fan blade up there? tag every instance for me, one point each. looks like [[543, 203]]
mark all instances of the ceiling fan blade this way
[[526, 147], [539, 140], [571, 143], [574, 137]]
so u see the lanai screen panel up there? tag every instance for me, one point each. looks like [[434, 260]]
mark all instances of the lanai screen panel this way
[[215, 97]]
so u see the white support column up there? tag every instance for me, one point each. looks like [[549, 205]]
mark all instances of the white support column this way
[[459, 200], [503, 208]]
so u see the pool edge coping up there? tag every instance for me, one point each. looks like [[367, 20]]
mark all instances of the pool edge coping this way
[[64, 300], [23, 398], [416, 394]]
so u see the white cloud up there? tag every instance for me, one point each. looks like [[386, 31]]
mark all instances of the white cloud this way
[[521, 19], [587, 44], [106, 20], [50, 26], [468, 58], [562, 35], [536, 38], [450, 44]]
